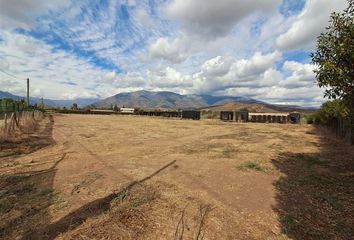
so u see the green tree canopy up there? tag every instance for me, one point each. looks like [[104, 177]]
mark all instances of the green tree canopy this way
[[334, 57]]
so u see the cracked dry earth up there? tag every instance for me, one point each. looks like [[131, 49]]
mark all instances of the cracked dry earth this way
[[132, 177]]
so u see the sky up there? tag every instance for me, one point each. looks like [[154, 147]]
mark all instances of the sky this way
[[95, 49]]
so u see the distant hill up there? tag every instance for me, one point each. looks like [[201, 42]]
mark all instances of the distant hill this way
[[167, 100], [257, 107], [8, 95], [82, 102], [236, 106], [172, 101]]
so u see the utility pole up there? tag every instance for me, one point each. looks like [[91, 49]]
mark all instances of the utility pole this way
[[28, 100]]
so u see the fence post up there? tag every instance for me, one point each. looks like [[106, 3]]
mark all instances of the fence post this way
[[5, 127], [11, 124], [17, 119]]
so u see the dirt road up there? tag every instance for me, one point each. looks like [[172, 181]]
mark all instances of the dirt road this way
[[224, 180]]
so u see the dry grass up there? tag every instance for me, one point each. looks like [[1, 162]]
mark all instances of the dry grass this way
[[246, 166], [224, 181], [15, 125]]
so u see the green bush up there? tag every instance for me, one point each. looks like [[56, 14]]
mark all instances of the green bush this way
[[329, 110]]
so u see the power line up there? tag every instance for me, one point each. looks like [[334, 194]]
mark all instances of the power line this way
[[12, 55], [9, 74]]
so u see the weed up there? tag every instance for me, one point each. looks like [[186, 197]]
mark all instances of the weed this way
[[122, 195], [140, 201], [46, 192], [252, 166], [229, 152], [91, 178]]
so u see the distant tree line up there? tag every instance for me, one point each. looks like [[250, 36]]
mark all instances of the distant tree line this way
[[11, 105]]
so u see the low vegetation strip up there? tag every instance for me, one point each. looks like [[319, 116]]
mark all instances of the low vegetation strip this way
[[24, 133], [17, 123]]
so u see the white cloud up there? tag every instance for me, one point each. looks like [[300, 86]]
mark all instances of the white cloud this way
[[144, 18], [23, 13], [166, 50], [309, 24], [256, 77], [215, 18], [302, 75], [220, 73], [169, 79], [195, 46], [303, 96], [217, 66], [53, 73], [256, 65]]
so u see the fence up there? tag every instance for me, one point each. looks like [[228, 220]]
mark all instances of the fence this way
[[12, 123], [10, 105], [343, 128]]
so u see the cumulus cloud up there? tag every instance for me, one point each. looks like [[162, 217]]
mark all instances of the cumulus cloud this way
[[257, 64], [215, 18], [169, 78], [166, 50], [221, 73], [225, 47], [302, 75], [256, 77], [309, 24], [217, 67], [124, 80]]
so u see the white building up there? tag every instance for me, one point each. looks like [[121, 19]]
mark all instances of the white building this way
[[127, 110]]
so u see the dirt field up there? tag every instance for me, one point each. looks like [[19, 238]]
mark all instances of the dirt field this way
[[126, 177]]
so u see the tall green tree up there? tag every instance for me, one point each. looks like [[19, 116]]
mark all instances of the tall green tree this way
[[334, 58]]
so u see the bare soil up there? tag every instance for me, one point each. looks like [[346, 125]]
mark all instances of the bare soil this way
[[132, 177]]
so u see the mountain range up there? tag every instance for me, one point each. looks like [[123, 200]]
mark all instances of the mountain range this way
[[81, 102], [167, 100], [148, 100]]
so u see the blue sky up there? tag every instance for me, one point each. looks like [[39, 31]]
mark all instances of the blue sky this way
[[85, 49]]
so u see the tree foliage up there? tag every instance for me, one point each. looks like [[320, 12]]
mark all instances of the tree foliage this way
[[334, 57], [328, 112]]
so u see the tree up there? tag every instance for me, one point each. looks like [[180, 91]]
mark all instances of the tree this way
[[74, 107], [334, 58], [328, 112]]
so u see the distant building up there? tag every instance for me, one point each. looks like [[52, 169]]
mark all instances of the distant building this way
[[237, 116], [127, 110], [100, 111], [293, 117], [195, 115]]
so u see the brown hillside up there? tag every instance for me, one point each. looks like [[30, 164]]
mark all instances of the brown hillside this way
[[235, 106]]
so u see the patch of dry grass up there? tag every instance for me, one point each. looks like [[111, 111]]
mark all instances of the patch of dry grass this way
[[253, 166]]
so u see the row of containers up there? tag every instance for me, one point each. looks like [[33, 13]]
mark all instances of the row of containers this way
[[185, 114], [230, 116], [244, 116], [195, 115]]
